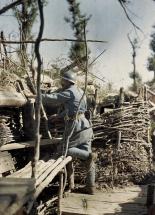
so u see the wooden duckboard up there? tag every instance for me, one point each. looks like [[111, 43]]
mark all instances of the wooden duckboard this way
[[129, 201]]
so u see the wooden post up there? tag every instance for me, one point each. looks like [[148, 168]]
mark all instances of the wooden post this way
[[70, 173], [95, 97], [121, 96], [29, 125], [150, 195], [4, 45], [60, 194], [145, 93], [117, 152]]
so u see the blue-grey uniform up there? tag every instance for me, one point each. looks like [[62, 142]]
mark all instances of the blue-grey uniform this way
[[80, 141], [70, 98]]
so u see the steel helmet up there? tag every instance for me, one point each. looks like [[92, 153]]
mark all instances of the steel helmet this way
[[69, 76]]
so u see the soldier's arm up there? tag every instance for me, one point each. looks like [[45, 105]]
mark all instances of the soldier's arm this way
[[56, 98]]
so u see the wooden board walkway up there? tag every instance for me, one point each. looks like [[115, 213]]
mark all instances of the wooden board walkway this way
[[128, 201]]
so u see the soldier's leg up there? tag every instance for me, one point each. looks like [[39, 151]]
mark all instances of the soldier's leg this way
[[84, 152], [75, 153], [70, 175], [90, 168], [90, 178]]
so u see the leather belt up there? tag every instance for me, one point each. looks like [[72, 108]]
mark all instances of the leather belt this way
[[74, 117]]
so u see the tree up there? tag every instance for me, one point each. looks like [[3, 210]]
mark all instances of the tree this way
[[137, 80], [26, 15], [134, 74], [77, 21], [151, 59]]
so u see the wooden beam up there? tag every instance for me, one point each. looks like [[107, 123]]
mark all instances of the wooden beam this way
[[29, 144], [11, 99], [52, 40]]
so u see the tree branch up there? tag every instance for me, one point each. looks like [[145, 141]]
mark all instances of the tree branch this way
[[97, 57], [128, 17], [10, 6]]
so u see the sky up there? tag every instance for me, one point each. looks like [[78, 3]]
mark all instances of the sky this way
[[108, 22]]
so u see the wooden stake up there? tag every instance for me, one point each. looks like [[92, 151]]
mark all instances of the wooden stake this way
[[60, 195]]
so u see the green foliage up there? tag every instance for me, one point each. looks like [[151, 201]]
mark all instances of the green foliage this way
[[138, 80], [152, 43], [151, 60], [135, 75], [151, 63], [77, 20], [26, 15]]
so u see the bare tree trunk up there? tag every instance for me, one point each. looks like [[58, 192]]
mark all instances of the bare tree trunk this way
[[134, 69], [134, 47], [23, 35]]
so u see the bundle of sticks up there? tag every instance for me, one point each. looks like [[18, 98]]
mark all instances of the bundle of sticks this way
[[10, 125], [5, 132], [122, 142]]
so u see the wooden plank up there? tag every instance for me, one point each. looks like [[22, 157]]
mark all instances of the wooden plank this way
[[133, 188], [16, 185], [109, 197], [5, 201], [12, 99], [105, 209], [19, 190], [4, 154], [26, 172], [14, 193], [45, 173], [16, 181], [52, 173], [17, 205], [27, 144], [6, 162], [105, 203], [107, 213]]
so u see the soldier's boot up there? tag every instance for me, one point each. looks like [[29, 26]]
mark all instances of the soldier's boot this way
[[70, 173], [90, 178]]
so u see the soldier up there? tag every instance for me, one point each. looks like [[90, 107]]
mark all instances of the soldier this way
[[77, 126]]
